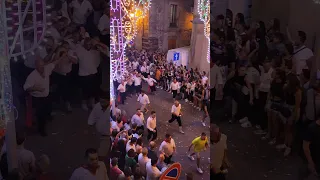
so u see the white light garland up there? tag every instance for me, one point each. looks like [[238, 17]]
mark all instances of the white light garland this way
[[204, 12], [125, 15], [12, 28], [16, 25]]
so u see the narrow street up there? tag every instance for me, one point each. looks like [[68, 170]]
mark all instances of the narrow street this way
[[251, 158]]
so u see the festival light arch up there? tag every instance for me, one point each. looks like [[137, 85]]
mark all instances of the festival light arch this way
[[17, 17], [204, 12], [125, 15]]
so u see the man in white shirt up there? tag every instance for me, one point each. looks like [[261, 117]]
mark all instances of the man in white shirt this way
[[135, 64], [54, 32], [266, 77], [92, 170], [122, 90], [79, 10], [143, 99], [62, 76], [87, 72], [152, 127], [302, 56], [204, 79], [137, 83], [138, 119], [142, 160], [151, 82], [216, 82], [131, 144], [38, 85], [174, 86], [218, 152], [143, 70], [104, 26], [168, 148], [176, 115], [100, 117], [153, 173]]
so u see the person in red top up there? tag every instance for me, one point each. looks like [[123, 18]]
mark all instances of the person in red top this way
[[115, 172]]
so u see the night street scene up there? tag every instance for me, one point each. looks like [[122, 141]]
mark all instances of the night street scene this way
[[160, 63], [159, 89]]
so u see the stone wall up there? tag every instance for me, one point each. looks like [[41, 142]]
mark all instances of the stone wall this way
[[158, 21]]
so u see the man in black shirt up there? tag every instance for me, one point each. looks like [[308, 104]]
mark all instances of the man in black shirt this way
[[311, 147]]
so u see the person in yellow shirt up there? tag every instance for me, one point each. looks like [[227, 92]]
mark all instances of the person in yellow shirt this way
[[200, 144]]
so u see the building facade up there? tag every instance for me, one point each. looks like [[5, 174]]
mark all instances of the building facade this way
[[167, 26]]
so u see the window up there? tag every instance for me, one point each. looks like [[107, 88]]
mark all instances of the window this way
[[173, 15]]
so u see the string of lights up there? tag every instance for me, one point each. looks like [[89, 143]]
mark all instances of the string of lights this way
[[204, 12], [13, 25], [125, 15]]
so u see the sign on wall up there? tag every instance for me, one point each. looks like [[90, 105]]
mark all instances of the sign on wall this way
[[176, 56]]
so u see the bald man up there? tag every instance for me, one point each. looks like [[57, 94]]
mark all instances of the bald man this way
[[218, 153], [176, 115], [37, 85]]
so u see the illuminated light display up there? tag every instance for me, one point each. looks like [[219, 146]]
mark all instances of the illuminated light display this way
[[125, 15], [14, 24], [204, 12]]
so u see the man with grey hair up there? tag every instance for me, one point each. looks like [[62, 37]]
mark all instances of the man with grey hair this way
[[218, 153], [152, 154]]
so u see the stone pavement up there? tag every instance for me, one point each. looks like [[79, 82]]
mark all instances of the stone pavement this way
[[252, 158], [162, 102]]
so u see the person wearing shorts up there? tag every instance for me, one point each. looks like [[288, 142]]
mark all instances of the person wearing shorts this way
[[199, 144]]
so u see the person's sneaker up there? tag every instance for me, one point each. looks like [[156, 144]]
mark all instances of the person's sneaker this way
[[243, 120], [272, 142], [246, 124], [203, 124], [200, 170], [84, 107], [287, 151], [182, 132], [186, 100], [191, 157], [281, 146], [258, 127], [259, 132]]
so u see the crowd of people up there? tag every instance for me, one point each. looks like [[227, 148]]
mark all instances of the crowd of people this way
[[269, 84], [130, 157], [70, 59]]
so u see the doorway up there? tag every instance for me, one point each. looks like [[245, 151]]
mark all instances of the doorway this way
[[172, 44]]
